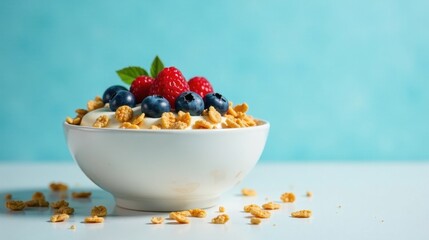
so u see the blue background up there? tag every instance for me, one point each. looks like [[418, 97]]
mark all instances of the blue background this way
[[338, 80]]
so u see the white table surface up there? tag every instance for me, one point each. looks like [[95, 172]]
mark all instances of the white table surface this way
[[350, 201]]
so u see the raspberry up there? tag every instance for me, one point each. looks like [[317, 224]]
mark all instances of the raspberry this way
[[169, 83], [140, 87], [200, 85]]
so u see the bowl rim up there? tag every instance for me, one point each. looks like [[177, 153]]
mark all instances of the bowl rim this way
[[264, 124]]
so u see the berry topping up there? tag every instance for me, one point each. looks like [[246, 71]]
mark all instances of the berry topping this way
[[169, 83], [154, 106], [200, 85], [123, 97], [140, 87], [111, 92], [190, 102], [219, 102]]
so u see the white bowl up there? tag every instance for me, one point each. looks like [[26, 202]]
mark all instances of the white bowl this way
[[166, 170]]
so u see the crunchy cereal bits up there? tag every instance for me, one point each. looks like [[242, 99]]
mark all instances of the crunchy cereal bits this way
[[59, 217], [184, 117], [37, 203], [73, 227], [248, 192], [155, 127], [288, 197], [58, 204], [179, 218], [241, 108], [37, 196], [139, 121], [247, 208], [301, 214], [221, 209], [260, 213], [212, 115], [255, 221], [93, 219], [101, 122], [309, 194], [157, 220], [65, 210], [8, 196], [197, 212], [15, 205], [183, 213], [220, 219], [81, 194], [167, 120], [100, 211], [95, 104], [58, 187], [81, 112], [128, 125], [124, 113], [271, 206], [203, 124]]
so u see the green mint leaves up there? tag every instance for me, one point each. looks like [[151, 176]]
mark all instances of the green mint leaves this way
[[156, 67], [128, 74]]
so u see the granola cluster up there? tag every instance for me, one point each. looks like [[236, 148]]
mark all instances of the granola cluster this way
[[80, 113]]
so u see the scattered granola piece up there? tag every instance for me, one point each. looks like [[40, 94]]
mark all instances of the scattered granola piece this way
[[72, 227], [81, 194], [81, 112], [197, 212], [167, 120], [65, 210], [213, 115], [309, 194], [260, 213], [8, 197], [37, 203], [179, 218], [124, 113], [37, 196], [248, 192], [220, 219], [15, 205], [301, 214], [58, 187], [128, 125], [221, 209], [288, 197], [184, 117], [241, 108], [230, 123], [100, 211], [95, 104], [101, 122], [139, 121], [271, 206], [59, 217], [93, 219], [58, 204], [202, 124], [183, 213], [249, 207], [157, 220], [255, 221]]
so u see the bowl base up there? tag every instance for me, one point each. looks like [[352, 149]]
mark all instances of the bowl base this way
[[162, 205]]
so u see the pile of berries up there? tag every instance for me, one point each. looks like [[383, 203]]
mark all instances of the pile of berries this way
[[164, 90]]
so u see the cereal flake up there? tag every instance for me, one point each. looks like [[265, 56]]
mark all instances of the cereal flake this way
[[15, 205], [157, 220], [100, 211], [301, 214], [59, 217], [288, 197], [221, 219], [93, 219], [124, 113]]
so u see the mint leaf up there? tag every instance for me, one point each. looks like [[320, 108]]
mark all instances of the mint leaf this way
[[156, 67], [128, 74]]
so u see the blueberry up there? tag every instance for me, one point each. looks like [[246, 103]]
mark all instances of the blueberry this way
[[111, 92], [154, 106], [190, 102], [123, 97], [219, 102]]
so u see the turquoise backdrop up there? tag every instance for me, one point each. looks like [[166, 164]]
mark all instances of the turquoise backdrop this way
[[338, 80]]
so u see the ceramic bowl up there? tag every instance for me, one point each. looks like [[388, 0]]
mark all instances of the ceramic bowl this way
[[166, 170]]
